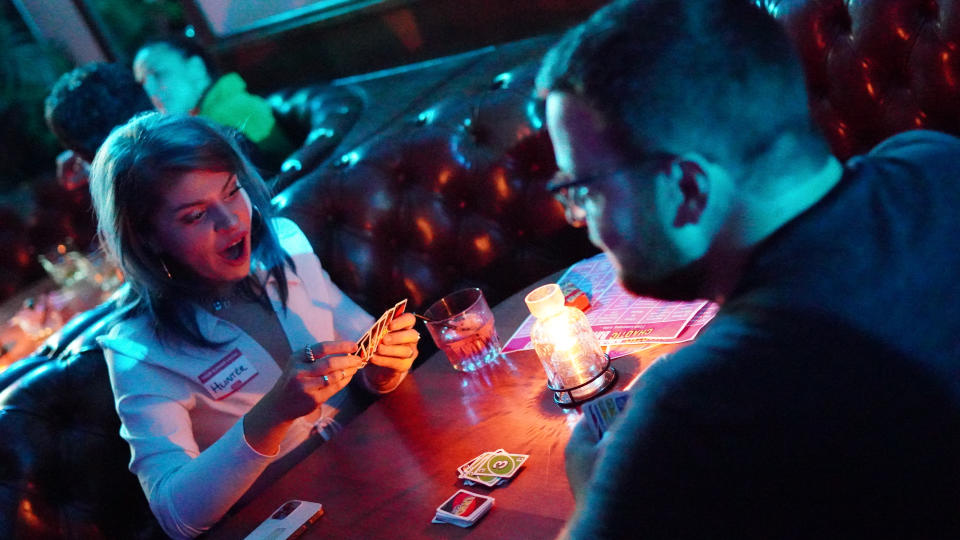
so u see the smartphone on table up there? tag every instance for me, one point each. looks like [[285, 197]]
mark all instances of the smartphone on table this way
[[288, 521]]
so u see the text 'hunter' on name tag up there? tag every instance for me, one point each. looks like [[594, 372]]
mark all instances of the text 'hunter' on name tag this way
[[228, 375]]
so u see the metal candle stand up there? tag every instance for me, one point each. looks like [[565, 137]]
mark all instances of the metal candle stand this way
[[609, 374]]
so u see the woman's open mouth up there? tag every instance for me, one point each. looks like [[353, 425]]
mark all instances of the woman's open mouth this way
[[236, 251]]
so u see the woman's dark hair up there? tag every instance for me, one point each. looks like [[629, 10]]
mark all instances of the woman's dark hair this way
[[128, 179]]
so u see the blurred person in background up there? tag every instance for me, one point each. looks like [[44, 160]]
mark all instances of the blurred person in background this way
[[83, 106], [180, 79]]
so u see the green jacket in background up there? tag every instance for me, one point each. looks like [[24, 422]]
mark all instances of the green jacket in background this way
[[227, 102]]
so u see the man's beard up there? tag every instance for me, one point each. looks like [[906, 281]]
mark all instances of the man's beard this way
[[687, 283]]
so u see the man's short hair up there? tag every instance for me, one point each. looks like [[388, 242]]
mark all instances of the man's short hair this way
[[718, 76], [87, 103]]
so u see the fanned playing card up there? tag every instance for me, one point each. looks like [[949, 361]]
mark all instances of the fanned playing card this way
[[602, 411], [370, 340], [491, 468]]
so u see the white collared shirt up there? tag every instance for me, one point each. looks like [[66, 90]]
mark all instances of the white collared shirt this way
[[182, 406]]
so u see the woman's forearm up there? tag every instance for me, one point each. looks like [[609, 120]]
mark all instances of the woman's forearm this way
[[263, 429]]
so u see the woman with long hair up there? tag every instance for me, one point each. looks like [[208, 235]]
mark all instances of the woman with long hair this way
[[232, 344]]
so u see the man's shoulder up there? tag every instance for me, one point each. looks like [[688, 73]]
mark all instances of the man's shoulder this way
[[757, 346], [706, 368], [916, 142], [228, 103], [231, 81], [222, 89]]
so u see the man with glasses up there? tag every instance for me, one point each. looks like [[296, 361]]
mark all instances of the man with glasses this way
[[823, 398]]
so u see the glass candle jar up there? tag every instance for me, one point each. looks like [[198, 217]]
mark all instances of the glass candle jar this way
[[576, 366]]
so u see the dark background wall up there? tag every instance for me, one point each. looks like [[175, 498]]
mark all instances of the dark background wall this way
[[386, 35]]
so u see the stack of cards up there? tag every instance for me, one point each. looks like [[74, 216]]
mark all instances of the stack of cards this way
[[368, 344], [463, 508], [491, 468], [602, 411]]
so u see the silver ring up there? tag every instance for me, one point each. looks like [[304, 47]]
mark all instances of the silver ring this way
[[326, 380], [310, 357]]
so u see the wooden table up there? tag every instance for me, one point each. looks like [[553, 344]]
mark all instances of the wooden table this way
[[384, 475]]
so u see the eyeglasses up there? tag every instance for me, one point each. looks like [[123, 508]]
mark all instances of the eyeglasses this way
[[572, 194], [572, 191]]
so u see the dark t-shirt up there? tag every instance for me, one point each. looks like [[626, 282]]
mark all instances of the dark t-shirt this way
[[823, 399]]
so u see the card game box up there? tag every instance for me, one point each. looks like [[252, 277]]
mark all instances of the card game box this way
[[463, 508]]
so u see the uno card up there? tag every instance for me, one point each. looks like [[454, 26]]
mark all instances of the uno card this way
[[492, 468], [362, 345], [499, 464], [486, 480], [601, 412], [368, 343], [382, 326], [399, 308]]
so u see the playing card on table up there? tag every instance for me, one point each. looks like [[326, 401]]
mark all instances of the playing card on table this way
[[499, 463], [469, 478], [602, 411], [368, 343], [463, 508], [492, 468]]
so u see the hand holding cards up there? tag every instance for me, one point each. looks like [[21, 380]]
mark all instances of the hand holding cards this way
[[367, 345], [601, 412]]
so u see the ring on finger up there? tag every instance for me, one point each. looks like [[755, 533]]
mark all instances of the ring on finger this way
[[310, 358], [326, 380]]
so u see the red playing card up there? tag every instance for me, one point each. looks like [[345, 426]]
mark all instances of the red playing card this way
[[367, 345]]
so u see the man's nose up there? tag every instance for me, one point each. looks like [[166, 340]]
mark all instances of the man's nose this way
[[576, 216]]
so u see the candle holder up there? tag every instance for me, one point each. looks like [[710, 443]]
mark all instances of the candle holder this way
[[571, 397], [577, 368]]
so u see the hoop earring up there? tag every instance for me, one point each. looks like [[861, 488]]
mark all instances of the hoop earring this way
[[165, 269]]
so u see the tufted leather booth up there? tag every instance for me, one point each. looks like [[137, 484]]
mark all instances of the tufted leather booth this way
[[422, 179], [447, 193], [875, 68], [62, 461]]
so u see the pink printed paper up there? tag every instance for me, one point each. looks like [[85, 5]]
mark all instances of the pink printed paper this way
[[621, 318]]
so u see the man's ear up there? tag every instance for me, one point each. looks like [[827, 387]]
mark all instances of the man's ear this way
[[687, 180]]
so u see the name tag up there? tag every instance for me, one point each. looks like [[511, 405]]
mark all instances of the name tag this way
[[228, 375]]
